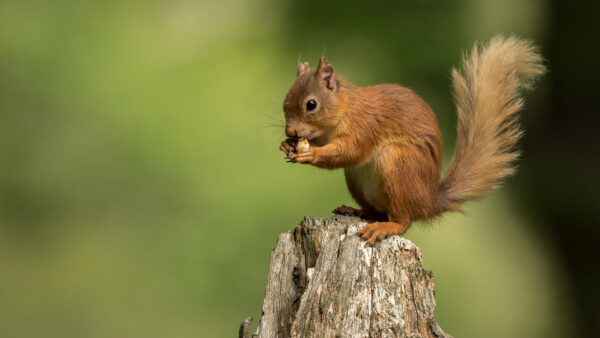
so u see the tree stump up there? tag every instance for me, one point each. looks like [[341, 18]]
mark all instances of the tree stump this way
[[326, 282]]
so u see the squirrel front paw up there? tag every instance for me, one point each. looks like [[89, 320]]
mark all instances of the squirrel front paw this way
[[309, 156], [298, 151], [288, 147]]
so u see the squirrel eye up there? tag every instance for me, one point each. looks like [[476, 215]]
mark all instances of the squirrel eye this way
[[311, 104]]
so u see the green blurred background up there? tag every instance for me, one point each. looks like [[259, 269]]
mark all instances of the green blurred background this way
[[141, 189]]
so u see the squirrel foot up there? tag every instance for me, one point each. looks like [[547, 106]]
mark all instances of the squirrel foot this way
[[348, 211], [369, 215], [379, 230]]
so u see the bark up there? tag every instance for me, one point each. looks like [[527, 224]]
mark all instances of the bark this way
[[326, 282]]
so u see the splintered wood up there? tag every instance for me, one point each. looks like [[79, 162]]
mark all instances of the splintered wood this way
[[326, 282]]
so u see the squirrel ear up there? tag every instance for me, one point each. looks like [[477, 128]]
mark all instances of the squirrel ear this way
[[302, 68], [325, 72]]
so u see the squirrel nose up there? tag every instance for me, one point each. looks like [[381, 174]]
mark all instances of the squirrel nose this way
[[291, 132]]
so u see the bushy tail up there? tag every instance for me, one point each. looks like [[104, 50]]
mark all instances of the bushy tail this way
[[487, 94]]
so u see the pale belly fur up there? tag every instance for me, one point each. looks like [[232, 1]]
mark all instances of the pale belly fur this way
[[368, 183]]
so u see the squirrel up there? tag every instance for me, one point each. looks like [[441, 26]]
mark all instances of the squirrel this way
[[388, 141]]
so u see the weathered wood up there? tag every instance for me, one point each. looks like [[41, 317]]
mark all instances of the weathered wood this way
[[325, 282]]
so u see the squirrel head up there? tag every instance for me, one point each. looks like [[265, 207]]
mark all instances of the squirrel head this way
[[313, 106]]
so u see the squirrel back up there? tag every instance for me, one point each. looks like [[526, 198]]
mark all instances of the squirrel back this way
[[487, 92]]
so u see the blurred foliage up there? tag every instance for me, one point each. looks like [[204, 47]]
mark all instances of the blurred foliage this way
[[141, 189]]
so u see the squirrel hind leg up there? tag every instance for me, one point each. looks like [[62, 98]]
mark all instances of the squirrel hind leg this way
[[348, 211], [377, 231], [368, 214]]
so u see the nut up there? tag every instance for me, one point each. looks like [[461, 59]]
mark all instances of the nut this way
[[302, 146]]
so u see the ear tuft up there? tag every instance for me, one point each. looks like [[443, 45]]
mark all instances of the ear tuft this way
[[326, 73], [302, 68]]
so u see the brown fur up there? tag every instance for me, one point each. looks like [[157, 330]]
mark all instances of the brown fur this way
[[388, 140]]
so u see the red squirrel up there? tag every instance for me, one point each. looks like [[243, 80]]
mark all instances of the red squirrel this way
[[388, 141]]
